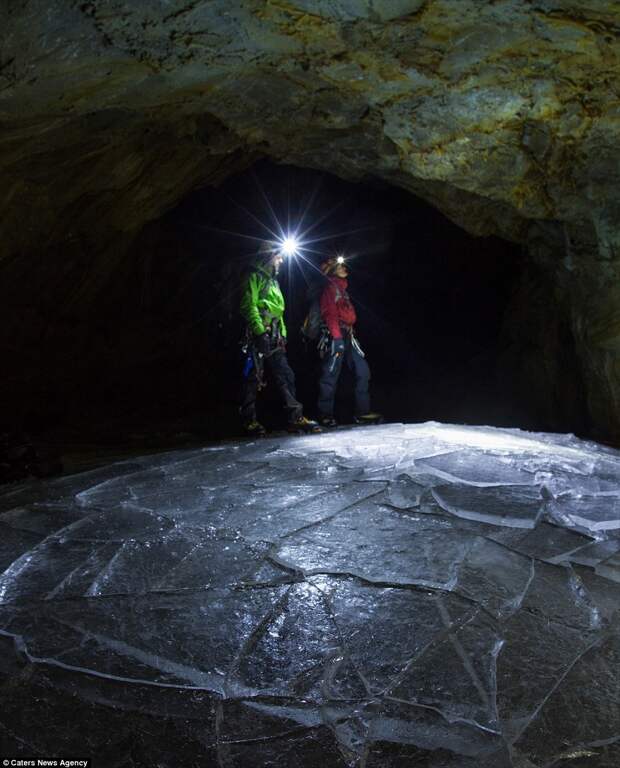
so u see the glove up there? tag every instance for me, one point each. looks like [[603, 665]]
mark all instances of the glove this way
[[262, 342], [337, 346]]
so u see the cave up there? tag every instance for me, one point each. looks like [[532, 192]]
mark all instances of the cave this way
[[437, 589], [458, 327]]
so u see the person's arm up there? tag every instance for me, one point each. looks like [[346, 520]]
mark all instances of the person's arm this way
[[249, 305], [329, 310]]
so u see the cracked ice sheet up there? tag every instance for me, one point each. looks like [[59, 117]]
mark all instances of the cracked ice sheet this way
[[294, 651], [351, 645], [14, 543], [114, 719], [378, 453], [398, 722], [175, 491], [63, 490], [325, 468], [561, 616], [367, 618], [304, 513], [576, 713], [179, 562], [115, 637], [281, 735], [379, 545], [456, 675], [544, 542], [183, 559]]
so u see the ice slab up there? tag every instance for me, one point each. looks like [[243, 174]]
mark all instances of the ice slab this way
[[253, 732], [379, 545], [594, 552], [115, 638], [610, 568], [536, 654], [305, 513], [456, 674], [559, 595], [494, 577], [55, 567], [588, 513], [42, 518], [409, 724], [325, 468], [385, 629], [116, 721], [602, 592], [406, 493], [545, 542], [588, 723], [291, 652], [512, 505], [478, 468], [14, 543]]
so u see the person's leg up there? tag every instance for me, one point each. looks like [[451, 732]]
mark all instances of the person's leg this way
[[361, 374], [249, 388], [330, 372], [285, 381]]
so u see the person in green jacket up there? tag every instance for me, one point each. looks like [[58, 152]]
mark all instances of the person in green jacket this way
[[262, 308]]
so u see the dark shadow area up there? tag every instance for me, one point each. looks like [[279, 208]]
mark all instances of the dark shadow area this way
[[430, 298], [445, 318]]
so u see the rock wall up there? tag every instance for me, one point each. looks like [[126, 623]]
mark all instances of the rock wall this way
[[505, 115]]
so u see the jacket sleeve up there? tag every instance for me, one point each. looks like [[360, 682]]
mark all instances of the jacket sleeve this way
[[329, 310], [249, 304]]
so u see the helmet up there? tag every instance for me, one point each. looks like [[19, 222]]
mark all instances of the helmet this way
[[267, 248], [266, 251], [331, 265]]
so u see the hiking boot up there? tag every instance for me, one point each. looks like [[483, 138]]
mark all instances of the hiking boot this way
[[303, 425], [254, 429], [368, 418], [328, 421]]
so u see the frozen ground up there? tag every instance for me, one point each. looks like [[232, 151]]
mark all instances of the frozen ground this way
[[403, 596]]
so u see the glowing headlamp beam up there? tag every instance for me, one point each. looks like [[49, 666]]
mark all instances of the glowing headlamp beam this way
[[289, 246], [340, 260]]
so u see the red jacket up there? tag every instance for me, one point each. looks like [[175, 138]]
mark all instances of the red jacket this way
[[336, 307]]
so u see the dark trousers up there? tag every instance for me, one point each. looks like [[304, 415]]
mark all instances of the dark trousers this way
[[330, 373], [279, 371]]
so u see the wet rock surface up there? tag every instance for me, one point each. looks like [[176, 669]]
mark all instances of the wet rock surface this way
[[390, 596], [493, 111]]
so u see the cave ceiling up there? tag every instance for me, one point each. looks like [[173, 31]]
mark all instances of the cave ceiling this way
[[505, 115]]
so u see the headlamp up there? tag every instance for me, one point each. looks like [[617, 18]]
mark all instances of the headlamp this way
[[340, 260], [289, 246]]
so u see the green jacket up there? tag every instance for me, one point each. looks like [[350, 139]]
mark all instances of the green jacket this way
[[262, 301]]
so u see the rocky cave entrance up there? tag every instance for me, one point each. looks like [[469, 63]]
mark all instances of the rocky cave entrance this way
[[454, 325]]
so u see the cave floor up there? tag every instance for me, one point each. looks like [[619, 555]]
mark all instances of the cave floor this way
[[382, 597]]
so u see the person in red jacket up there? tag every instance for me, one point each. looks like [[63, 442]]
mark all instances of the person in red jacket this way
[[338, 316]]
